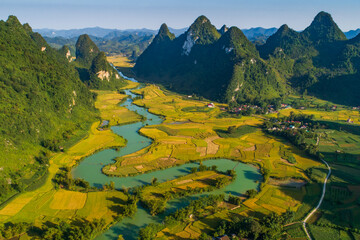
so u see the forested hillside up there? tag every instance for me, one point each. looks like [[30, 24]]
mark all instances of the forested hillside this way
[[43, 103], [225, 66], [93, 67], [319, 60]]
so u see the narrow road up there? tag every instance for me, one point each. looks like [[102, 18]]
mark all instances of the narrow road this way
[[321, 199]]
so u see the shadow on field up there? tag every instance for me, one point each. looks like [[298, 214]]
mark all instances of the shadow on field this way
[[128, 230], [98, 185], [116, 200], [351, 128], [252, 175]]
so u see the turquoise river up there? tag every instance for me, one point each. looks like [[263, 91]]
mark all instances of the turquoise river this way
[[90, 170]]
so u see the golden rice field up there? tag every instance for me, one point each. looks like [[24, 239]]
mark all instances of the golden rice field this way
[[193, 137], [185, 136], [339, 115], [120, 61], [199, 179], [108, 104]]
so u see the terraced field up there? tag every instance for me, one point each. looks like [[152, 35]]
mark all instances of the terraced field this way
[[185, 136], [193, 132]]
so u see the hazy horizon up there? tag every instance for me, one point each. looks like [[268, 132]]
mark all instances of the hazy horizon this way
[[120, 14]]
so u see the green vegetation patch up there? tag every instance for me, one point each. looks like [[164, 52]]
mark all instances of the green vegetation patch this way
[[197, 109], [235, 132], [286, 154]]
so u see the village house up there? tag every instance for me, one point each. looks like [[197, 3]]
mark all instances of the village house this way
[[211, 105]]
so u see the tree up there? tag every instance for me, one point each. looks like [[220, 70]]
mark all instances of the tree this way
[[112, 185], [231, 129], [154, 181], [251, 193], [221, 181], [150, 231], [204, 236]]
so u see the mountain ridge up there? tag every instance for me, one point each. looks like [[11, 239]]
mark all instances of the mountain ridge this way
[[202, 61], [290, 61]]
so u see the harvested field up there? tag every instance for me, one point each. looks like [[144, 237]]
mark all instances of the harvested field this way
[[68, 200]]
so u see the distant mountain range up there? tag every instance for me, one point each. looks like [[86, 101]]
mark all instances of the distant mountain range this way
[[224, 65], [132, 42], [351, 34], [100, 32], [252, 33]]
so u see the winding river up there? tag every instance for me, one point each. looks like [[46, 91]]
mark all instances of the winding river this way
[[90, 170]]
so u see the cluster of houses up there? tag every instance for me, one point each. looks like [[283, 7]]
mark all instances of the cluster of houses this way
[[287, 125], [271, 108], [356, 108]]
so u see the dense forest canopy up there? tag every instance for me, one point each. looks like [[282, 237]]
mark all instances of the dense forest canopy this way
[[42, 101]]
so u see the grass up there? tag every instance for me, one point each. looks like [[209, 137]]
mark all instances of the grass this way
[[325, 233], [184, 136], [195, 180], [237, 132], [196, 137], [120, 61], [340, 116], [197, 109], [296, 231], [108, 104], [68, 200]]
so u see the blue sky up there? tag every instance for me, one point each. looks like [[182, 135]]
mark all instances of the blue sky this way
[[121, 14]]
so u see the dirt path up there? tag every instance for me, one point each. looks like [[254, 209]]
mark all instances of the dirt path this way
[[321, 199]]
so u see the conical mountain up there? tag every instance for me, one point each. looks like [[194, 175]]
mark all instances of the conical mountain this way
[[223, 29], [159, 49], [285, 39], [13, 21], [323, 29], [235, 41], [164, 34], [102, 75], [245, 64], [202, 61], [201, 32], [86, 50]]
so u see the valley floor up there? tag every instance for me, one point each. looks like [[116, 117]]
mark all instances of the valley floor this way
[[192, 132]]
